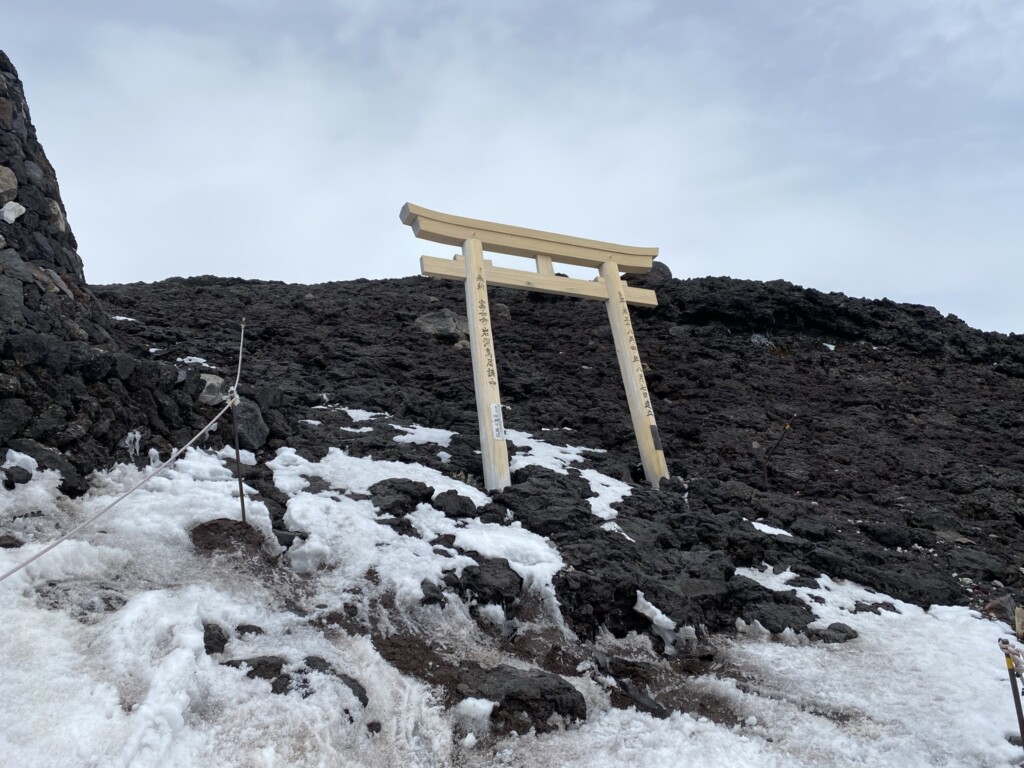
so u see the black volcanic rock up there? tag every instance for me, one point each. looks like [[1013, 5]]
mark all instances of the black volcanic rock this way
[[899, 454], [524, 699]]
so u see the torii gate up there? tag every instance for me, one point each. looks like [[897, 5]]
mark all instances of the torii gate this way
[[546, 249]]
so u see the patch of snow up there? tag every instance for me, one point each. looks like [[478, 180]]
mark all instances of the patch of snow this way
[[131, 684], [248, 458], [23, 460], [770, 530], [609, 491], [311, 422], [444, 456], [424, 435], [553, 457], [358, 473], [358, 414], [133, 442], [616, 528], [829, 347], [492, 613], [661, 624], [124, 319], [191, 360], [358, 430], [530, 555], [475, 716]]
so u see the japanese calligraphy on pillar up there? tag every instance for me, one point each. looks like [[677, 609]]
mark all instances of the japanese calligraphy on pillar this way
[[483, 321], [634, 353], [641, 411], [493, 449]]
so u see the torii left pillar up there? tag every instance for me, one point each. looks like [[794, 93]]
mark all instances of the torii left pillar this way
[[493, 448]]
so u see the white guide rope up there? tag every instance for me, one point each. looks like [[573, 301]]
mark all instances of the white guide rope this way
[[232, 401]]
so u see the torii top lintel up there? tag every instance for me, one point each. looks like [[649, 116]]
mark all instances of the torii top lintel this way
[[519, 241]]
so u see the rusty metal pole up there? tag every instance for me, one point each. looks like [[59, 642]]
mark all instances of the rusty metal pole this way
[[1012, 672], [234, 422], [238, 462]]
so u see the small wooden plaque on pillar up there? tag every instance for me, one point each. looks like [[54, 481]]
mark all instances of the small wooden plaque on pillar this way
[[545, 248]]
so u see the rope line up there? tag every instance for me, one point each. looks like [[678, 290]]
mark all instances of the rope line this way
[[233, 400], [119, 499]]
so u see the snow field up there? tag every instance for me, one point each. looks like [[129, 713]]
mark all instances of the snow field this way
[[104, 662]]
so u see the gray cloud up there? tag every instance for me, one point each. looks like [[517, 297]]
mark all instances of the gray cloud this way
[[871, 148]]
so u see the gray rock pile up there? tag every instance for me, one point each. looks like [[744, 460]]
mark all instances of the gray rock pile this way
[[70, 396]]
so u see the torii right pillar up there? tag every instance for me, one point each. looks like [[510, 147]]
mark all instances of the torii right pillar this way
[[652, 455]]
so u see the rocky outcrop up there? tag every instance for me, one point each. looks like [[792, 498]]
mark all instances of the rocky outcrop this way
[[69, 395], [42, 280]]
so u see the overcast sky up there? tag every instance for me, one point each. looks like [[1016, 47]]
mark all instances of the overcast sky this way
[[871, 147]]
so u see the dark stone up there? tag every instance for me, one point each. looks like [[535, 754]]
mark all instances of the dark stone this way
[[252, 429], [444, 325], [455, 505], [72, 482], [10, 541], [47, 422], [491, 581], [14, 476], [215, 638], [1002, 608], [15, 415], [813, 528], [266, 668], [26, 348], [432, 594], [643, 700], [524, 699], [269, 397], [225, 535], [12, 303], [889, 534], [398, 496], [124, 365], [287, 538], [248, 629], [318, 664], [9, 385], [12, 265], [836, 632], [979, 566]]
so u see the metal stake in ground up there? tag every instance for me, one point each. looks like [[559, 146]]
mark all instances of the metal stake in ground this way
[[768, 455], [1010, 652], [234, 424]]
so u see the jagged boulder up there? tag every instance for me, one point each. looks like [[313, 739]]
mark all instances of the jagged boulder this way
[[524, 700]]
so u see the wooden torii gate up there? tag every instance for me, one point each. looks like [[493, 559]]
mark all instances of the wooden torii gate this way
[[545, 248]]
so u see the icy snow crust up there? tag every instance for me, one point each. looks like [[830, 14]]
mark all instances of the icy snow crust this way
[[104, 662]]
